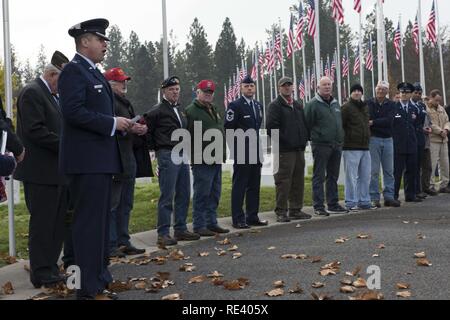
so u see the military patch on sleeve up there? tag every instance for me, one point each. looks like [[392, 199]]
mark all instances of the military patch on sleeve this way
[[230, 115]]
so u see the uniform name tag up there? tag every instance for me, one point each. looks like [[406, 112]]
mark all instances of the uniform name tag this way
[[247, 117], [99, 86]]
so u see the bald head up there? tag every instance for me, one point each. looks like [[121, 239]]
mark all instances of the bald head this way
[[325, 87]]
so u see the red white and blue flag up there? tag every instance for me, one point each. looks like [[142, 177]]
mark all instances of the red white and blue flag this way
[[357, 65], [431, 27], [415, 34], [398, 42], [312, 19], [300, 27]]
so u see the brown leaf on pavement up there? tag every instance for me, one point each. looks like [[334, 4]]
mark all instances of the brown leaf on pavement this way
[[296, 290], [215, 274], [8, 288], [175, 296], [141, 285], [346, 282], [187, 267], [354, 273], [271, 248], [423, 263], [363, 236], [347, 289], [404, 294], [368, 295], [420, 236], [233, 248], [420, 255], [360, 283], [233, 285], [321, 297], [279, 284], [224, 242], [203, 254], [221, 253], [197, 279], [10, 260], [218, 282], [176, 255], [381, 247], [342, 240], [316, 259], [403, 286], [327, 272], [237, 255], [318, 285], [41, 297], [161, 275], [119, 287], [275, 293]]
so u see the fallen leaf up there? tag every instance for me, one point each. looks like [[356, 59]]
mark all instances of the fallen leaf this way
[[187, 267], [198, 279], [327, 272], [316, 259], [381, 247], [244, 281], [321, 297], [275, 293], [215, 274], [118, 286], [420, 255], [318, 285], [237, 255], [279, 284], [224, 242], [403, 286], [404, 294], [332, 265], [40, 297], [296, 290], [271, 248], [376, 255], [416, 222], [141, 285], [368, 295], [222, 253], [160, 275], [362, 236], [289, 256], [8, 288], [355, 272], [405, 222], [176, 255], [341, 240], [233, 285], [423, 263], [159, 260], [203, 254], [360, 283], [10, 260], [217, 282], [175, 296], [298, 226], [421, 236], [347, 289], [346, 282], [233, 248]]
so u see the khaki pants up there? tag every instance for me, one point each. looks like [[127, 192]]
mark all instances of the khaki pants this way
[[290, 183], [439, 155]]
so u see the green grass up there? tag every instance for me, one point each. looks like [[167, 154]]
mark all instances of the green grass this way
[[144, 215]]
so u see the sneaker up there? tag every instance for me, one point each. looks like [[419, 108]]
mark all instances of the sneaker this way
[[321, 212], [431, 192], [283, 218], [353, 209], [376, 203], [166, 241], [392, 203], [186, 236], [217, 229], [299, 216], [117, 253], [205, 233], [337, 210], [131, 250], [369, 207]]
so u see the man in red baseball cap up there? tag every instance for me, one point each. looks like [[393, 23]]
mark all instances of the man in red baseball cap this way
[[122, 195]]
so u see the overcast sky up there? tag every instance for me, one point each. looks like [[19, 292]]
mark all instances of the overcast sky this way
[[46, 22]]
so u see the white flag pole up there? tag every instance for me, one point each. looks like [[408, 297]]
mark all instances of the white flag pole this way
[[440, 51], [401, 50], [373, 71], [379, 41], [361, 52], [317, 41], [338, 63], [348, 75], [422, 64], [165, 43]]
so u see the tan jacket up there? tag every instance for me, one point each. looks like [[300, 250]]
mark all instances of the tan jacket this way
[[440, 122]]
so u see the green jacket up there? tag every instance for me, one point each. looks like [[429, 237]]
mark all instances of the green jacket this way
[[196, 112], [324, 121], [355, 119]]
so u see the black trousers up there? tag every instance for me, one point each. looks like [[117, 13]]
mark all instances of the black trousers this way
[[91, 196], [246, 184], [405, 166], [47, 205], [426, 170], [419, 171]]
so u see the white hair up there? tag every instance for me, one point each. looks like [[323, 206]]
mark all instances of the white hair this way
[[51, 69]]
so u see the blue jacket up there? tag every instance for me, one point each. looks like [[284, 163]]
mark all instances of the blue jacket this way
[[86, 99], [7, 165], [404, 132], [420, 123], [382, 117]]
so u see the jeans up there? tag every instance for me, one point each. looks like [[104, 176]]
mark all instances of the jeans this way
[[382, 154], [327, 163], [175, 186], [207, 191], [357, 178], [122, 204]]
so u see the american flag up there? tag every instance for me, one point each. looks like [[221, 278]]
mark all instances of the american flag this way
[[278, 53], [327, 67], [261, 63], [237, 87], [312, 19], [271, 61], [415, 34], [301, 88], [333, 68], [357, 65], [291, 44], [313, 79], [345, 65], [230, 92], [300, 27], [369, 56], [398, 42], [431, 27], [357, 6], [338, 11], [225, 96]]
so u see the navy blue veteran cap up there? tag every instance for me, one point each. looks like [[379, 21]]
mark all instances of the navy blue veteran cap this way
[[248, 80], [170, 82], [405, 87], [95, 26], [418, 87]]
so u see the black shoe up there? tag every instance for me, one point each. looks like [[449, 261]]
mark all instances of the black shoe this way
[[205, 233], [132, 251], [117, 253], [392, 203], [415, 200], [48, 282], [376, 203], [337, 210], [241, 226], [299, 216], [422, 196], [431, 192], [259, 223], [321, 212], [166, 240], [186, 236], [283, 219], [219, 230], [108, 295]]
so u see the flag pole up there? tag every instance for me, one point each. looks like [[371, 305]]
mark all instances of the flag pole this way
[[165, 43], [421, 58], [440, 51], [294, 73], [379, 42], [263, 84], [317, 41], [401, 50], [361, 55], [373, 72], [348, 75], [338, 63], [9, 106], [385, 56], [256, 62]]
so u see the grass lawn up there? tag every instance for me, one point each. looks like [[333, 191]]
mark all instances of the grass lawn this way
[[143, 217]]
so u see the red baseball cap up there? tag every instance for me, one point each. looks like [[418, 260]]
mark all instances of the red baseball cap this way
[[116, 74], [207, 85]]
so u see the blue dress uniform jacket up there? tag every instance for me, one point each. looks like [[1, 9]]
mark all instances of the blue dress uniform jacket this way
[[246, 176], [87, 146], [420, 122], [404, 130]]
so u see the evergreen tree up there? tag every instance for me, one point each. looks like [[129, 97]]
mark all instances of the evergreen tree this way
[[42, 62], [27, 73], [116, 49]]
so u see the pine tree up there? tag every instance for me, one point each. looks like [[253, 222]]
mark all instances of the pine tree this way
[[42, 62], [116, 49], [27, 73]]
